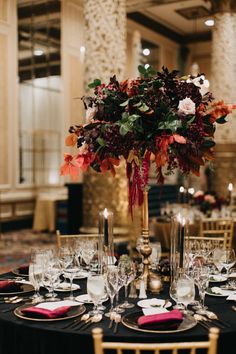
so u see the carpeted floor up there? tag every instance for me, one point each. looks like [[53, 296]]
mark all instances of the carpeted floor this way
[[16, 247]]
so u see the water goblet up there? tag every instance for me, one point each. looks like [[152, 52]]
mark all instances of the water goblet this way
[[96, 290], [185, 291], [70, 269]]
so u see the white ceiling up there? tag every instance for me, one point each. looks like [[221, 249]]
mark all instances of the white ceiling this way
[[167, 15]]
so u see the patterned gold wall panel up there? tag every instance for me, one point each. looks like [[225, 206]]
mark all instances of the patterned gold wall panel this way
[[4, 143], [3, 10]]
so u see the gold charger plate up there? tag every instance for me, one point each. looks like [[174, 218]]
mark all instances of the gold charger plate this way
[[131, 321], [73, 312], [24, 288]]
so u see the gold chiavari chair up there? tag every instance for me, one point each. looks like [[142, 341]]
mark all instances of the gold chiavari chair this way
[[69, 240], [157, 348], [218, 228], [204, 243]]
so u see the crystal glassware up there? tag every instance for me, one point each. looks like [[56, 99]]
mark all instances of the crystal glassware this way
[[96, 290]]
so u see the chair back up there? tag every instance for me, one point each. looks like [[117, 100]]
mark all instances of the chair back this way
[[218, 228], [157, 348], [69, 240]]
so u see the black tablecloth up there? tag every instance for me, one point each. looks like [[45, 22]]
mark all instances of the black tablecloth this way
[[18, 336]]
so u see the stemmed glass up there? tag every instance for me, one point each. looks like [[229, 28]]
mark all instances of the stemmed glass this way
[[35, 278], [185, 291], [127, 270], [96, 290], [120, 283], [111, 283], [202, 281], [51, 279], [70, 266], [228, 259]]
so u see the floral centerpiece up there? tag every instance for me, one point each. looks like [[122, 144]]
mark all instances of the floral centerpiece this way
[[208, 201], [156, 118]]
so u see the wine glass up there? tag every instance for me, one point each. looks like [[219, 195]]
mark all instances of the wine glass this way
[[155, 255], [111, 283], [127, 270], [96, 290], [35, 278], [228, 259], [51, 279], [70, 270]]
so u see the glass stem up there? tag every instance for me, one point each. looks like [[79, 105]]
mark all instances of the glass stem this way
[[112, 301], [126, 293], [71, 283]]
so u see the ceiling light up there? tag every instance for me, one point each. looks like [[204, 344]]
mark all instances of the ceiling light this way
[[146, 66], [146, 52], [38, 52], [82, 49], [210, 22]]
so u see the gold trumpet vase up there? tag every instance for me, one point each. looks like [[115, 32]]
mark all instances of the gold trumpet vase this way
[[152, 280]]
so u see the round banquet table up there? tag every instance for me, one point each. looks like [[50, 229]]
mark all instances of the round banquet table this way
[[18, 336]]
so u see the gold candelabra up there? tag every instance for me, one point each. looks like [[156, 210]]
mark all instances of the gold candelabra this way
[[152, 280]]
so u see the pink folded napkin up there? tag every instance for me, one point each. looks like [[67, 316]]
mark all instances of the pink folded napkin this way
[[9, 285], [45, 313], [166, 320]]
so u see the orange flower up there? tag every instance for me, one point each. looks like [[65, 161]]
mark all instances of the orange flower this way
[[85, 160], [162, 143], [108, 164], [130, 87], [68, 168], [71, 139], [220, 109]]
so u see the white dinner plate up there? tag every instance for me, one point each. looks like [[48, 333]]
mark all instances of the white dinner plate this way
[[85, 299], [217, 278], [81, 275], [152, 303], [64, 287], [218, 292]]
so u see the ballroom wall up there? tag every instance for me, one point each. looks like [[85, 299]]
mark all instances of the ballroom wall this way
[[18, 199]]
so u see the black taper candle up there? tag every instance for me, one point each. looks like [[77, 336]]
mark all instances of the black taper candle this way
[[181, 247], [105, 230]]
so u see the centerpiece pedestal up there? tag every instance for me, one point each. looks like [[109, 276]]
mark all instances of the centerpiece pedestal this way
[[153, 281]]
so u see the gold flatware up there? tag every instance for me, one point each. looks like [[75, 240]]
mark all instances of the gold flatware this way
[[117, 321]]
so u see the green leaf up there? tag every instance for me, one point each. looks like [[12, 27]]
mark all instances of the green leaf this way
[[144, 108], [221, 120], [142, 69], [101, 141], [124, 129], [190, 120], [95, 83], [125, 103], [137, 104], [208, 143], [133, 117]]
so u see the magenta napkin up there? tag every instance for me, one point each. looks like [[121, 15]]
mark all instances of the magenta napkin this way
[[45, 313], [166, 320], [9, 286]]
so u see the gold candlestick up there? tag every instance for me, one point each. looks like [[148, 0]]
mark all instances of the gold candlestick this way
[[152, 281]]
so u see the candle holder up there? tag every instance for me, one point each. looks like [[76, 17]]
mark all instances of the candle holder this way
[[153, 281], [179, 243], [106, 235]]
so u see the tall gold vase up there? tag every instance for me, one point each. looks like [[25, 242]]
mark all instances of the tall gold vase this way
[[152, 280]]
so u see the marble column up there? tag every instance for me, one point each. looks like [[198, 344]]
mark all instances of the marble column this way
[[223, 86], [105, 55]]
